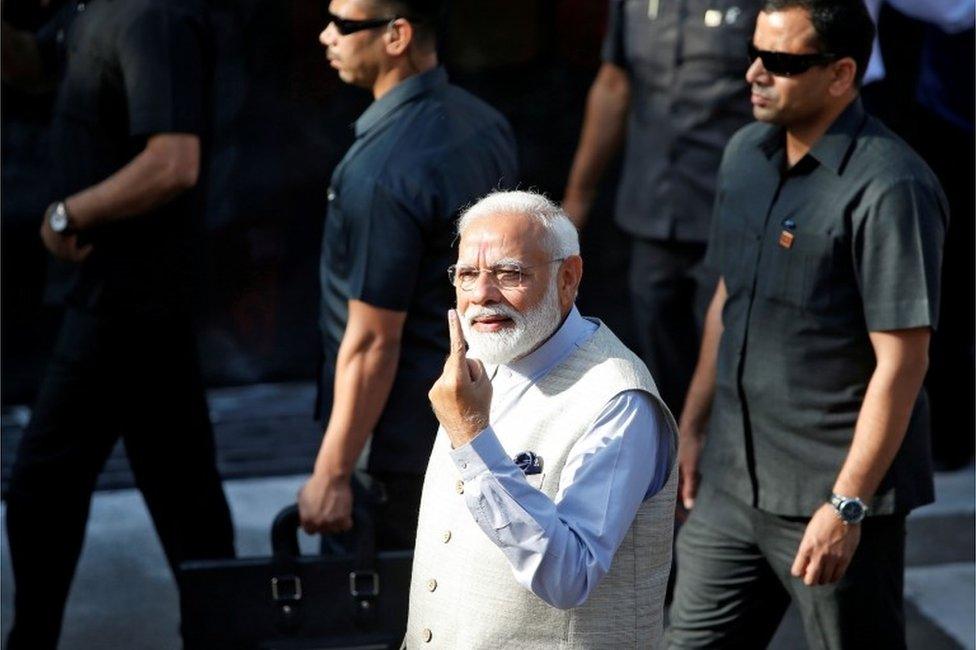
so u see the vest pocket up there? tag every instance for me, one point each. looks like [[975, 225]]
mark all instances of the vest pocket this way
[[535, 480]]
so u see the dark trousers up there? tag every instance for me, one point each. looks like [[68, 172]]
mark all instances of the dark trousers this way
[[136, 377], [734, 582], [670, 289]]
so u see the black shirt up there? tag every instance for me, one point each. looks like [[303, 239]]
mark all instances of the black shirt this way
[[848, 241], [423, 151], [133, 68], [686, 60]]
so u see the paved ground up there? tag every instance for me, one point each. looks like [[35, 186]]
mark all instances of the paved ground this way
[[124, 598]]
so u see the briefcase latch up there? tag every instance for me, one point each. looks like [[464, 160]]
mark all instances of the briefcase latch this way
[[286, 588], [364, 583]]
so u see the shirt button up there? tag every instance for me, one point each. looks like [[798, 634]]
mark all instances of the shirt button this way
[[446, 536], [330, 194], [459, 487], [81, 6], [431, 585], [427, 634], [464, 465]]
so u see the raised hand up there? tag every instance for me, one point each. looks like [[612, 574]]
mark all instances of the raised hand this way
[[461, 396]]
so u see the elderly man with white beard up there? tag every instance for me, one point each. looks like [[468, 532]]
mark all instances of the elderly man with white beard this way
[[547, 510]]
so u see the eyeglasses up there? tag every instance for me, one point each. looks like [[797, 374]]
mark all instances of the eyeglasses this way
[[346, 26], [505, 276], [784, 64]]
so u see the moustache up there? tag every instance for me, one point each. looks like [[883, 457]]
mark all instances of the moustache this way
[[475, 311]]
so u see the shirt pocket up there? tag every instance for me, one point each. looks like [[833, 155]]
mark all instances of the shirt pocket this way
[[799, 275], [649, 43], [737, 256], [716, 33]]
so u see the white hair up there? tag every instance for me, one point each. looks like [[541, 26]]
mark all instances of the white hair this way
[[561, 239]]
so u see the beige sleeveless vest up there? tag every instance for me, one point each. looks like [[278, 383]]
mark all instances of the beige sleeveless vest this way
[[463, 594]]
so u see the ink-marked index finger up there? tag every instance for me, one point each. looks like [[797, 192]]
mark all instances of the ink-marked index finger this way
[[458, 347]]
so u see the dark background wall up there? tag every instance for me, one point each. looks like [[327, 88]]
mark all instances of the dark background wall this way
[[282, 122]]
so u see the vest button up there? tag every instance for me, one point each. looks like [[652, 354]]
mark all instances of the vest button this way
[[459, 486], [431, 585], [427, 635], [446, 536]]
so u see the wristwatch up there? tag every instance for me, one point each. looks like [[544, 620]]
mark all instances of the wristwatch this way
[[57, 217], [850, 510]]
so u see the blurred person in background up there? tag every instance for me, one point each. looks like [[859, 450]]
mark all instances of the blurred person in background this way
[[129, 136], [670, 87], [424, 149], [828, 236], [930, 102]]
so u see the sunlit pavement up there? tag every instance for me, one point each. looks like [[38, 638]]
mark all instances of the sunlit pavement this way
[[124, 597]]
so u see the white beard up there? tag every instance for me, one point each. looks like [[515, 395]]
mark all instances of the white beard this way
[[528, 330]]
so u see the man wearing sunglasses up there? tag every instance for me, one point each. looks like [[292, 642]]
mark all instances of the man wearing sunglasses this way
[[670, 88], [423, 150], [828, 236]]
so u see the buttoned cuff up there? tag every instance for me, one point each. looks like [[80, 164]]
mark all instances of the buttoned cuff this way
[[483, 453]]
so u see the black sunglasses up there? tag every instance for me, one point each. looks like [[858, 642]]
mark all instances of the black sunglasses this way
[[784, 64], [345, 26]]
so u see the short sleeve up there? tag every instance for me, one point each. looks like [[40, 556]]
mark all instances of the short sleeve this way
[[713, 253], [387, 246], [164, 69], [898, 256], [613, 43]]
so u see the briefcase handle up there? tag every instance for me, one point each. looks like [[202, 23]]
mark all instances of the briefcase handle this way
[[364, 580], [284, 531]]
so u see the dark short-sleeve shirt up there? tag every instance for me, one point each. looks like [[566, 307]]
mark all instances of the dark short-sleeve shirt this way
[[133, 69], [423, 151], [846, 242], [686, 60]]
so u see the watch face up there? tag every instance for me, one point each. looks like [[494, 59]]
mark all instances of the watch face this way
[[851, 511]]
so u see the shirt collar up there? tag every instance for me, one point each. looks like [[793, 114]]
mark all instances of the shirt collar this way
[[833, 147], [399, 95], [573, 332]]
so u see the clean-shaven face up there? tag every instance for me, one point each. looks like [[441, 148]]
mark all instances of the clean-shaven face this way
[[783, 100], [357, 56]]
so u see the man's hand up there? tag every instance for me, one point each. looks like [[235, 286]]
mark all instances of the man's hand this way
[[63, 246], [325, 504], [690, 445], [461, 396], [827, 548], [577, 208]]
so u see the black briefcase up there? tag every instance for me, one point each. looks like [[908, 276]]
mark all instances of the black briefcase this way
[[292, 602]]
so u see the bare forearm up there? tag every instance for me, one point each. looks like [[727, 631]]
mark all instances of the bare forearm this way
[[603, 129], [882, 422], [156, 175], [365, 371]]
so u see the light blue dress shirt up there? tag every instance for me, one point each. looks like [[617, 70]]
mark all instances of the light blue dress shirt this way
[[561, 549]]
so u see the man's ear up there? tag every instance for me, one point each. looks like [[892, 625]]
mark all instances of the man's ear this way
[[398, 37], [568, 280], [844, 75]]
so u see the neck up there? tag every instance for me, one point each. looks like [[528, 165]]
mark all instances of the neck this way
[[801, 137], [403, 68]]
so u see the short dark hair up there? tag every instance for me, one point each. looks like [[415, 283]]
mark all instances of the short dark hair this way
[[844, 27], [424, 15]]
